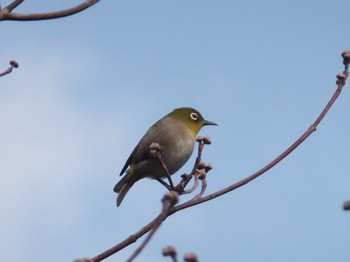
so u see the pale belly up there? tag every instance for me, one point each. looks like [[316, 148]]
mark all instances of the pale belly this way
[[174, 159]]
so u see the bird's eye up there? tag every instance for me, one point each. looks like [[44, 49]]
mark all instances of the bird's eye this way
[[194, 116]]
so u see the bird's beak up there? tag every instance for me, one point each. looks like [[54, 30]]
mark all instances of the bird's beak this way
[[209, 123]]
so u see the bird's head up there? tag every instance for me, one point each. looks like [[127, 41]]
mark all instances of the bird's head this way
[[191, 118]]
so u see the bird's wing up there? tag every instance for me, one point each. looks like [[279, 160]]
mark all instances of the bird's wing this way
[[141, 151], [128, 161]]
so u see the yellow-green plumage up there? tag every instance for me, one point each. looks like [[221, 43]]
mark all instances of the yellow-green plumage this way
[[176, 134]]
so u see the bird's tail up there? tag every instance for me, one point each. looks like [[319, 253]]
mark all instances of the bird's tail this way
[[123, 186]]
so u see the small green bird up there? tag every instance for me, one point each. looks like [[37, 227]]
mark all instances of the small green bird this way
[[176, 134]]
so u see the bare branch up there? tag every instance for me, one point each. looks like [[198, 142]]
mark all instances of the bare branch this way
[[6, 13], [200, 175], [340, 83], [267, 167], [347, 205], [169, 200], [13, 5], [128, 241], [187, 178], [342, 77], [194, 187], [204, 187], [156, 151], [13, 64]]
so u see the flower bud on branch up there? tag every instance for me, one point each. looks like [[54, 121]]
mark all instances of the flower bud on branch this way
[[171, 252], [190, 257]]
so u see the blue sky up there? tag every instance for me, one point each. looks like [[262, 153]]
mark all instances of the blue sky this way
[[90, 85]]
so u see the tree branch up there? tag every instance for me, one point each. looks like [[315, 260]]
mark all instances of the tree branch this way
[[187, 178], [341, 81], [169, 200], [13, 5], [6, 13], [13, 64], [156, 152], [342, 77]]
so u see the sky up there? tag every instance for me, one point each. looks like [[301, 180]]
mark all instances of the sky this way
[[89, 86]]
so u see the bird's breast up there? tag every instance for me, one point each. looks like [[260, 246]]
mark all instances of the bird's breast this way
[[176, 154]]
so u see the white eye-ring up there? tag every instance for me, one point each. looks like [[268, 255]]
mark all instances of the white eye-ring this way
[[194, 116]]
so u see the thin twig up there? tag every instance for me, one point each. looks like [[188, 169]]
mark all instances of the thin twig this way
[[166, 171], [7, 14], [169, 200], [13, 64], [204, 187], [13, 5], [195, 185], [187, 178], [156, 151], [128, 241], [160, 180]]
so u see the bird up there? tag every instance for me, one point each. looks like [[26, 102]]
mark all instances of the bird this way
[[176, 134]]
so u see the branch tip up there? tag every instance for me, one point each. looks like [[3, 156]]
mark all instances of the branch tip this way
[[154, 146], [191, 257], [14, 63], [199, 139], [155, 150], [341, 77], [201, 165], [206, 140], [208, 167], [201, 174], [7, 14], [346, 56], [169, 251], [172, 197]]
